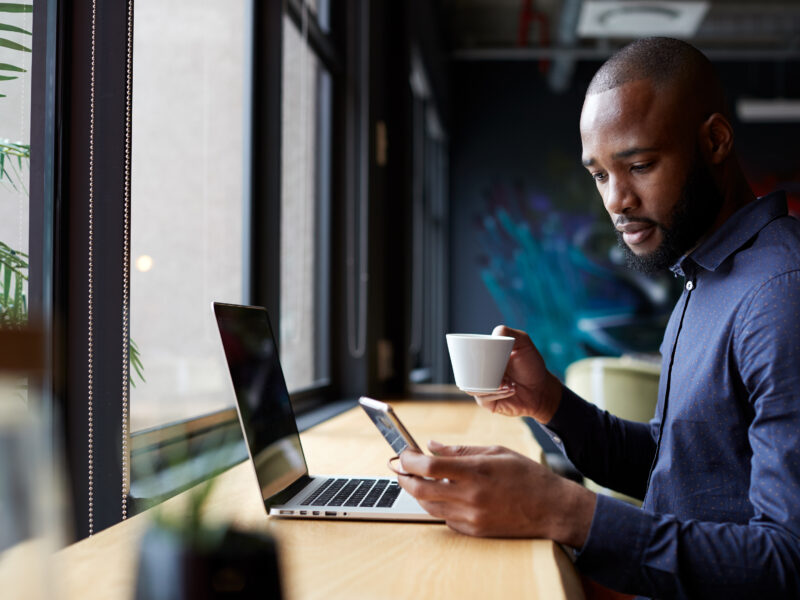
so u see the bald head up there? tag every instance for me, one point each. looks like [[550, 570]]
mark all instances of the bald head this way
[[671, 66]]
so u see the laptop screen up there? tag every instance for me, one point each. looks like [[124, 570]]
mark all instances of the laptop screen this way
[[265, 411]]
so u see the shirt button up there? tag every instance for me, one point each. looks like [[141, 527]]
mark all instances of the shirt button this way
[[690, 285], [556, 439]]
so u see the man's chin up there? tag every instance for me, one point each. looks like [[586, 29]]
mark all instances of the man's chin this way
[[651, 262], [647, 260], [641, 250]]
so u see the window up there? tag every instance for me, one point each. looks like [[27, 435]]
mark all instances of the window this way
[[15, 116], [19, 439], [187, 208], [429, 273], [305, 210], [160, 187]]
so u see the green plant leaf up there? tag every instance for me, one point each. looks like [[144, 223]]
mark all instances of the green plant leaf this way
[[12, 28], [13, 45], [134, 357], [13, 260], [6, 284], [13, 7], [8, 77], [14, 151], [8, 67], [16, 312]]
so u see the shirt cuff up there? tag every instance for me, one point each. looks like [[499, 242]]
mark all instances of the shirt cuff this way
[[613, 552]]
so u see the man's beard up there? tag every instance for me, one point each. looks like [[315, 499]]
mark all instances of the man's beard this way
[[691, 218]]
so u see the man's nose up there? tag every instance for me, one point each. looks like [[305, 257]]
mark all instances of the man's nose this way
[[619, 197]]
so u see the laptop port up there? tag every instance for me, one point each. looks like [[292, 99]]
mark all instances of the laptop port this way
[[286, 512], [316, 513], [303, 512], [330, 513]]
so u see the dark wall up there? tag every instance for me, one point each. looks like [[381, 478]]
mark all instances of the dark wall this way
[[506, 126], [530, 242]]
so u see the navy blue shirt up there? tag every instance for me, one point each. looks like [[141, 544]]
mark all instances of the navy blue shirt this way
[[721, 512]]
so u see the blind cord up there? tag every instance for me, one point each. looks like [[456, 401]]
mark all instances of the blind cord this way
[[126, 266], [90, 290]]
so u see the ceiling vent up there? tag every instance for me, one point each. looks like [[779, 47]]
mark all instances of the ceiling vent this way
[[632, 19]]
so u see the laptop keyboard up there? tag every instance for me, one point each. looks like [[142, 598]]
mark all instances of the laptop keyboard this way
[[354, 492]]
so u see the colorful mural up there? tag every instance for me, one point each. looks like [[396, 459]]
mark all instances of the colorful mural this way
[[559, 275]]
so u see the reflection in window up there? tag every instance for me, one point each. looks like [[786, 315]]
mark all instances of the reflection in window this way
[[429, 235], [304, 212], [187, 209]]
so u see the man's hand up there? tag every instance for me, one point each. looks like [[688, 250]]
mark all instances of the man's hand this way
[[528, 388], [495, 492]]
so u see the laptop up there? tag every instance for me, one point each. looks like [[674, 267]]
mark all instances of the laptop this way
[[273, 443]]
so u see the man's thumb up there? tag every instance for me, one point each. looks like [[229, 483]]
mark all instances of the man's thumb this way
[[440, 449]]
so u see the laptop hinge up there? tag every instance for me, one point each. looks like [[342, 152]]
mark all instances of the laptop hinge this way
[[288, 493]]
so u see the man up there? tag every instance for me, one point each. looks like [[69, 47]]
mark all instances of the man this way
[[719, 465]]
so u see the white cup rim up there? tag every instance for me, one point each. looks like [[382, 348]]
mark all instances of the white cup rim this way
[[479, 336]]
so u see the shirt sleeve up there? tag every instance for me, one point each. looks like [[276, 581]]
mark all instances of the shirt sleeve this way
[[614, 452], [641, 552]]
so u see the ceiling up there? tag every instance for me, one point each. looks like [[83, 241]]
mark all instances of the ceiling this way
[[534, 30], [730, 29]]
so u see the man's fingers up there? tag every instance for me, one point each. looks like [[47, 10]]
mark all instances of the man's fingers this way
[[394, 468], [443, 450], [520, 337], [443, 510], [454, 514], [465, 527], [508, 331], [436, 467], [487, 400], [428, 490], [441, 500]]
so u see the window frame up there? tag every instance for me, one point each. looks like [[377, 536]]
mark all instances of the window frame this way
[[58, 229], [321, 45], [62, 71], [263, 172]]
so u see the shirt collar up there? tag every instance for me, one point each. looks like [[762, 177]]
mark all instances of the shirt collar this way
[[736, 232]]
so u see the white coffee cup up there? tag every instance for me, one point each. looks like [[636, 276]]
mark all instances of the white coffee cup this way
[[479, 361]]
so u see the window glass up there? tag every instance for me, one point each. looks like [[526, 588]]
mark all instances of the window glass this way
[[187, 211], [304, 213], [15, 116], [429, 247]]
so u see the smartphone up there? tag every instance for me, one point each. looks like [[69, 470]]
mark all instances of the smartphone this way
[[389, 425]]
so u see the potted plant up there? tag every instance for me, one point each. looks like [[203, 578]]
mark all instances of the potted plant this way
[[184, 556]]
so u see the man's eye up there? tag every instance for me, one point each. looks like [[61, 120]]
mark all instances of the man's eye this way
[[599, 176], [639, 168]]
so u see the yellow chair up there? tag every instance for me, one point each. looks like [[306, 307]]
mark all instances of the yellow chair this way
[[626, 387]]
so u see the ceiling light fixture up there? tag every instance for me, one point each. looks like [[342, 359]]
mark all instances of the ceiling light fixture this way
[[630, 19], [768, 110]]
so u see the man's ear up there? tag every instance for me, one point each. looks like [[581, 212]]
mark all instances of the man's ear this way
[[716, 138]]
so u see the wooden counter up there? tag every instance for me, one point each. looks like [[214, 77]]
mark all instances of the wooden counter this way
[[354, 560]]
